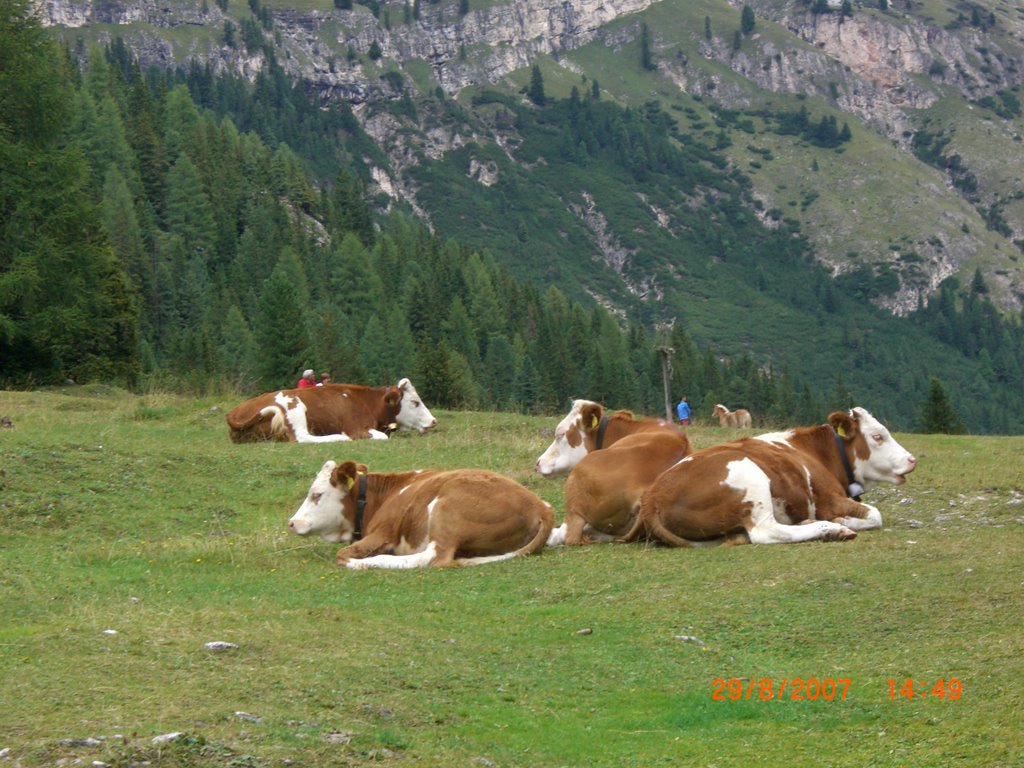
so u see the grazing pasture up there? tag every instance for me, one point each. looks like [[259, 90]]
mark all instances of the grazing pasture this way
[[135, 532]]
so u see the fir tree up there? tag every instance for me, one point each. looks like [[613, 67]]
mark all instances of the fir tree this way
[[937, 413], [747, 20], [280, 330], [536, 90]]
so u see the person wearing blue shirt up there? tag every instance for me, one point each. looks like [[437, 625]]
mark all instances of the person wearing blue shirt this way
[[683, 411]]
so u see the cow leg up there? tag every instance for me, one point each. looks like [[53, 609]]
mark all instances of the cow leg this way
[[427, 556], [370, 545], [574, 525], [764, 528], [769, 531], [377, 435], [871, 521]]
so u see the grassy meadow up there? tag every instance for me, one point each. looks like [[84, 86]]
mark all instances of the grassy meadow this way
[[135, 532]]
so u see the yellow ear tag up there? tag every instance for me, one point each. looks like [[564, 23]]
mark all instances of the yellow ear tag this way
[[349, 482], [593, 423], [841, 431]]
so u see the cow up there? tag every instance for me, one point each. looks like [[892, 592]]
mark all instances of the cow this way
[[587, 428], [416, 519], [331, 413], [726, 418], [799, 485], [602, 494]]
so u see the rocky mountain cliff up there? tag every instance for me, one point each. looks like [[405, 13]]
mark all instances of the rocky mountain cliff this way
[[925, 209]]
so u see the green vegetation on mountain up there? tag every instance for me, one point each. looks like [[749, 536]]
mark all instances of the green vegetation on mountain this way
[[238, 211]]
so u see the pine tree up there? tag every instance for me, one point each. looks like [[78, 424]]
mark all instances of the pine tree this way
[[747, 20], [280, 329], [646, 57], [937, 413], [536, 90]]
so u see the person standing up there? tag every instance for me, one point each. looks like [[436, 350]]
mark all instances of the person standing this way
[[308, 379], [683, 411], [325, 378]]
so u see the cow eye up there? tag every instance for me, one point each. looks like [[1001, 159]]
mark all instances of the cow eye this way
[[315, 497], [415, 403], [878, 438]]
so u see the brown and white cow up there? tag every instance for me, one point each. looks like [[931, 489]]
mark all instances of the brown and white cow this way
[[602, 494], [415, 519], [331, 413], [586, 428], [726, 418], [791, 486]]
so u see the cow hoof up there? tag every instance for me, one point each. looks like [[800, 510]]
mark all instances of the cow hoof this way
[[845, 534]]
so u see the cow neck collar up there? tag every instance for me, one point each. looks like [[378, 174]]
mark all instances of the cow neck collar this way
[[599, 444], [392, 423], [357, 531], [853, 488]]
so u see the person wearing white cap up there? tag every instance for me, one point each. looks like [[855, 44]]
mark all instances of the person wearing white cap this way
[[308, 379]]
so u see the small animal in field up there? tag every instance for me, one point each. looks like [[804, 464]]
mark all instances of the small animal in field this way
[[739, 418]]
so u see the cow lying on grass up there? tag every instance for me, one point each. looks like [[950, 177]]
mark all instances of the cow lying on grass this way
[[586, 428], [331, 413], [415, 519], [798, 485], [602, 494]]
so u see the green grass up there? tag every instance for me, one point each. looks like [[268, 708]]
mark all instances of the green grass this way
[[136, 514]]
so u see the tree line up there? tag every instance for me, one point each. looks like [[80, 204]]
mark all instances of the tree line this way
[[149, 239]]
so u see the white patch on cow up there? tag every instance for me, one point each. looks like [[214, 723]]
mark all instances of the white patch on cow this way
[[485, 559], [416, 560], [887, 462], [560, 457], [776, 438], [871, 522], [557, 536], [746, 476], [377, 435], [294, 411], [321, 511], [413, 413]]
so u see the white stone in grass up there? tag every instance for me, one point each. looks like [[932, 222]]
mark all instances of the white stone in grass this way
[[167, 738], [109, 631], [219, 645], [690, 639], [249, 717]]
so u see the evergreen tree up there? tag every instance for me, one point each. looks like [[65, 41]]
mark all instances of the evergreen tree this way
[[937, 413], [67, 307], [707, 28], [536, 90], [646, 57], [747, 20], [280, 330]]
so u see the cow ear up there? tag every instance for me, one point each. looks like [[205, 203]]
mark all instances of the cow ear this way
[[344, 475], [844, 426], [591, 415], [393, 396]]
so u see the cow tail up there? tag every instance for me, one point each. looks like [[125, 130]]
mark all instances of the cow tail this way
[[657, 530], [540, 540], [635, 531], [277, 426]]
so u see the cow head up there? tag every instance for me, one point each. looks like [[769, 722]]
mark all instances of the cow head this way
[[570, 443], [410, 411], [323, 511], [875, 456]]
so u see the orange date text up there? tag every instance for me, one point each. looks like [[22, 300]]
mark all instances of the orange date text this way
[[788, 689]]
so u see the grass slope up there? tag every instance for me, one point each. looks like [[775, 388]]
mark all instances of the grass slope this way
[[136, 514]]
